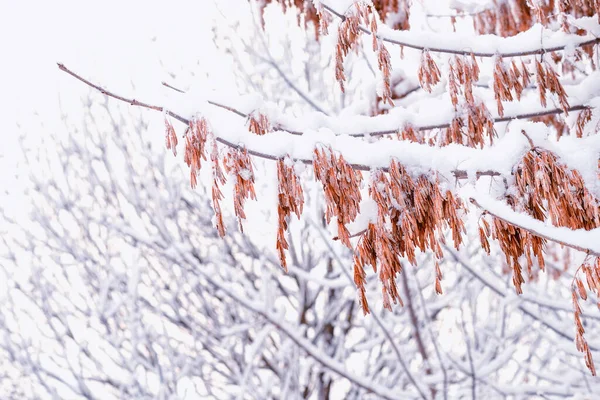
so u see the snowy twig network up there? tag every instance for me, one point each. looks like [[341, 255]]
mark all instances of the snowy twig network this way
[[420, 182]]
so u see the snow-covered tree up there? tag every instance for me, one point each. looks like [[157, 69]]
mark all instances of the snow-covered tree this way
[[453, 150]]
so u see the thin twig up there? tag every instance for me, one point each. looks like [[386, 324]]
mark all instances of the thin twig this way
[[528, 138], [172, 87], [417, 332]]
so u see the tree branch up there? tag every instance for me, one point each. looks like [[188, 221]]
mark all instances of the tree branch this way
[[534, 226], [416, 127], [458, 174], [540, 50], [314, 352]]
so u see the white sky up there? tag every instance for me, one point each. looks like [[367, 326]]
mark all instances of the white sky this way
[[112, 42]]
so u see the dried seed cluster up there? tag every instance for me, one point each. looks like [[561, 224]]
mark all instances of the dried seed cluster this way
[[547, 80], [170, 137], [555, 122], [218, 180], [508, 18], [505, 18], [464, 71], [508, 79], [258, 124], [591, 270], [545, 189], [549, 189], [429, 73], [290, 200], [237, 162], [348, 36], [362, 15], [395, 13], [583, 118], [365, 15], [385, 66], [195, 147], [307, 13], [341, 185], [514, 242], [471, 130], [412, 215]]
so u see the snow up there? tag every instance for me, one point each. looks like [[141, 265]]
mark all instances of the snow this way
[[418, 158], [486, 45], [577, 238], [419, 115]]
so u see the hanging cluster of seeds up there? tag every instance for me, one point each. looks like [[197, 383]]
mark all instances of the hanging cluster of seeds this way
[[462, 71], [195, 142], [341, 185], [170, 137], [218, 180], [290, 200], [583, 118], [548, 189], [514, 242], [258, 124], [470, 130], [307, 13], [348, 36], [591, 270], [237, 162], [429, 73], [508, 79], [395, 13], [504, 18], [360, 17], [547, 80], [508, 18], [577, 8], [412, 215]]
